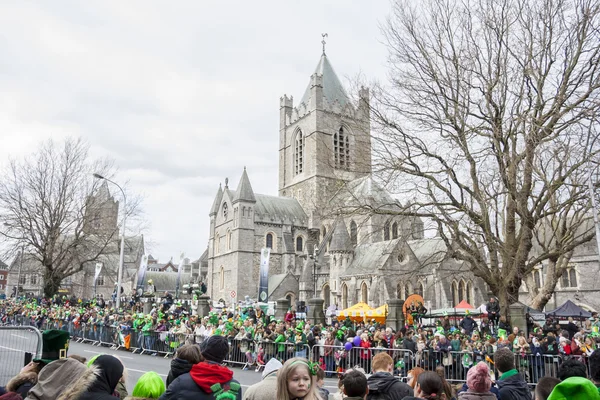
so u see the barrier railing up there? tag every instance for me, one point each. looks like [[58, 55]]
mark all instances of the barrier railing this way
[[244, 352], [18, 346]]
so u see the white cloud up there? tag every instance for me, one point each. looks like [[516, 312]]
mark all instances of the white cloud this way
[[180, 95]]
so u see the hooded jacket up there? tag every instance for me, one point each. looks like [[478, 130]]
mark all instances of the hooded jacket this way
[[512, 386], [385, 383], [22, 383], [55, 377], [469, 395], [196, 384], [178, 367], [98, 382]]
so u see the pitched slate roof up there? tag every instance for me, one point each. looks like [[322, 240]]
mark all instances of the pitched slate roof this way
[[429, 250], [217, 203], [272, 208], [340, 241], [333, 90], [364, 192], [244, 190], [369, 257]]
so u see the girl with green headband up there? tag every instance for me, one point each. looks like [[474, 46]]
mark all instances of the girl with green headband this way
[[297, 380]]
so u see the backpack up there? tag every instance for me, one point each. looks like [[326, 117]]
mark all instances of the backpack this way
[[375, 394]]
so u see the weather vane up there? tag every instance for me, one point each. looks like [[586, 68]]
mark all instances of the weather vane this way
[[324, 35]]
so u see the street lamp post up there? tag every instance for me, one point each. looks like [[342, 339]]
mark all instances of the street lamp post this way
[[122, 254], [594, 213]]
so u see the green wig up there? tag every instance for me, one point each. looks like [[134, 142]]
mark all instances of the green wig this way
[[91, 361], [150, 385]]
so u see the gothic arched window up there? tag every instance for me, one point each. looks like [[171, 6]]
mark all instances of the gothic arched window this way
[[462, 291], [229, 241], [364, 292], [407, 290], [419, 289], [469, 294], [455, 300], [395, 230], [386, 230], [222, 278], [299, 243], [344, 296], [341, 149], [353, 233], [269, 241], [299, 152]]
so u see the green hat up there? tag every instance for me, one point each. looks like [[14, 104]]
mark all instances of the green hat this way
[[575, 388], [55, 345]]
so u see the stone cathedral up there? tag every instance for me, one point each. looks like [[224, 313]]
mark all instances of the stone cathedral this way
[[333, 231]]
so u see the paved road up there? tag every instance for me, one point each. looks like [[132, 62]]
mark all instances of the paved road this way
[[14, 344]]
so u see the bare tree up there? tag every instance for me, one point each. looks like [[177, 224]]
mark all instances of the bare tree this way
[[489, 122], [45, 210]]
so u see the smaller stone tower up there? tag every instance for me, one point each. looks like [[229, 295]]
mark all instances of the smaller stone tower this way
[[101, 213]]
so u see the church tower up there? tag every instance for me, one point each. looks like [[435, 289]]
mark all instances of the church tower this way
[[101, 213], [324, 141]]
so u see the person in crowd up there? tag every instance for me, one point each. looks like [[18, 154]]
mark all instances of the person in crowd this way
[[323, 392], [493, 310], [55, 377], [297, 380], [25, 380], [355, 386], [266, 389], [149, 386], [468, 324], [447, 388], [479, 384], [382, 382], [185, 357], [429, 387], [571, 367], [571, 328], [544, 387], [413, 375], [575, 388], [207, 379], [594, 363], [98, 382], [511, 384]]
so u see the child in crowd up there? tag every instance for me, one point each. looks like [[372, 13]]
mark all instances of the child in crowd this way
[[297, 379]]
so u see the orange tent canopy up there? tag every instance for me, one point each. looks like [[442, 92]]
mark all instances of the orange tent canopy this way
[[464, 304], [356, 313]]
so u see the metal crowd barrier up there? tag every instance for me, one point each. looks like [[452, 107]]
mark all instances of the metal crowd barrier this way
[[18, 346], [244, 352]]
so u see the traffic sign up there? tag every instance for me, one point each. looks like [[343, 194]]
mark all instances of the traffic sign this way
[[233, 294]]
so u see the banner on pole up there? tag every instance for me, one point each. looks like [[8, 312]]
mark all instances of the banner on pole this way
[[179, 275], [97, 273], [142, 273], [263, 287]]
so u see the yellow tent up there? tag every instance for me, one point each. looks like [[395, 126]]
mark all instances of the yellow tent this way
[[356, 313], [379, 314]]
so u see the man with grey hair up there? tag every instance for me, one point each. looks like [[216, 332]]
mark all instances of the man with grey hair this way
[[267, 388]]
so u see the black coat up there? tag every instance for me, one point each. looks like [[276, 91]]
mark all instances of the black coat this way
[[178, 367], [186, 387], [514, 388], [384, 383]]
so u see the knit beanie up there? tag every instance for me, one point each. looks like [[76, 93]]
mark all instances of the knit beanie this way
[[575, 388], [478, 378], [215, 348]]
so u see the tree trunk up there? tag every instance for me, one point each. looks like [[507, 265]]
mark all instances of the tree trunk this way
[[51, 284]]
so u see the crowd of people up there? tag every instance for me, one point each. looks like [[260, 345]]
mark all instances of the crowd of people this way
[[451, 350]]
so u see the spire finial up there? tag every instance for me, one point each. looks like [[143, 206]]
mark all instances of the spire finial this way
[[226, 183], [324, 35]]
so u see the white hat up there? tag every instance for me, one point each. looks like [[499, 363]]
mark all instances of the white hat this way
[[272, 366]]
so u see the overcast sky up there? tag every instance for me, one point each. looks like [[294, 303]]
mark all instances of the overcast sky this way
[[180, 94]]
